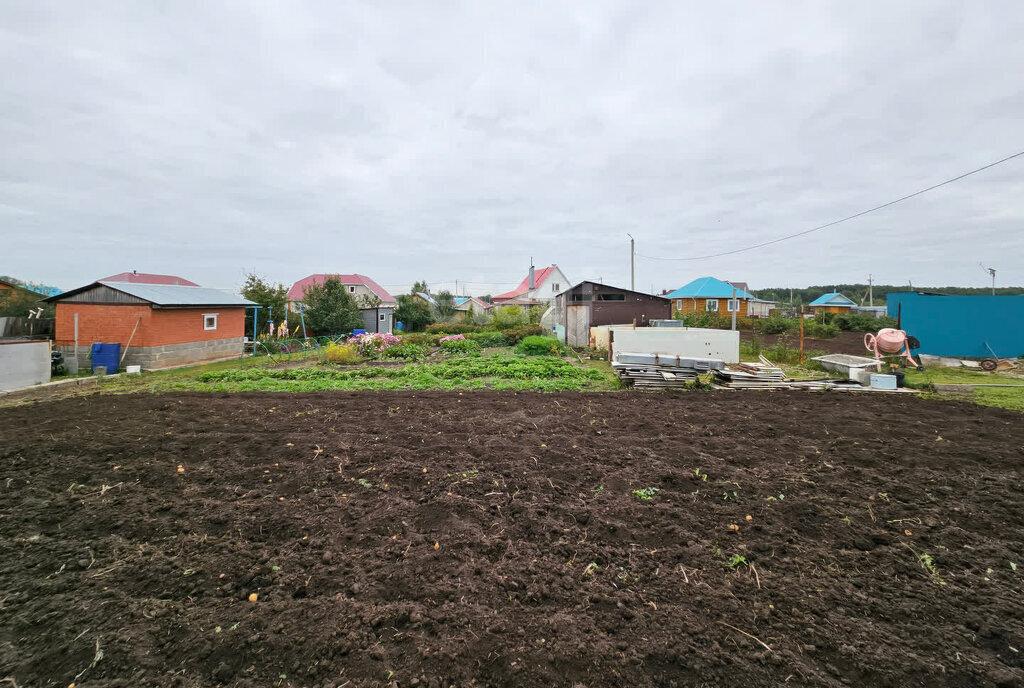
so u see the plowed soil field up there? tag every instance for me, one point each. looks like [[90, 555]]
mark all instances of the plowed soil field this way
[[502, 539]]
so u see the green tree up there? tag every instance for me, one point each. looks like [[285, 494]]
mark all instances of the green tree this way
[[413, 313], [420, 287], [272, 297], [444, 305], [510, 316], [330, 309], [486, 298], [18, 303]]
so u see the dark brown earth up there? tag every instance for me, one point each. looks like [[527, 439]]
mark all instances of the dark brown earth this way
[[496, 541], [842, 343]]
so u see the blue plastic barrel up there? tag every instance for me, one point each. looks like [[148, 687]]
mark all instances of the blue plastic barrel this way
[[107, 355], [399, 326], [356, 332]]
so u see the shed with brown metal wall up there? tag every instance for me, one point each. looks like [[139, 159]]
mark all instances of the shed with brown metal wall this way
[[592, 304]]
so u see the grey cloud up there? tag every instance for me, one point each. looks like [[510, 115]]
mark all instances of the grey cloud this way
[[454, 141]]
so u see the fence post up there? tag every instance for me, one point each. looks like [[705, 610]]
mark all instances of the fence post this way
[[801, 340]]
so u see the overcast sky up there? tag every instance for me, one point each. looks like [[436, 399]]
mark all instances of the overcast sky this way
[[444, 141]]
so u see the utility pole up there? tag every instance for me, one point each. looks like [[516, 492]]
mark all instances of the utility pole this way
[[632, 262], [871, 293]]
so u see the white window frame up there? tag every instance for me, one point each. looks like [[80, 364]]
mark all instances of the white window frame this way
[[733, 305], [382, 317], [351, 289], [707, 305], [206, 324], [679, 304]]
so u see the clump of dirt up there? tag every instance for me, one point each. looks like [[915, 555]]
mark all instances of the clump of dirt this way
[[491, 539]]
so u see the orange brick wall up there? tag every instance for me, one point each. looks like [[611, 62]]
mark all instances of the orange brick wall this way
[[114, 323]]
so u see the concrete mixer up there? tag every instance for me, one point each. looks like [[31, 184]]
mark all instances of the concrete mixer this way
[[890, 341]]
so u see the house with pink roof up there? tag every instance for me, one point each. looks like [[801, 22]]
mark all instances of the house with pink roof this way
[[136, 277], [538, 287], [357, 285]]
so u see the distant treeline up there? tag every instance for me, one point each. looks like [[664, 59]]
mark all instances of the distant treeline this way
[[858, 292]]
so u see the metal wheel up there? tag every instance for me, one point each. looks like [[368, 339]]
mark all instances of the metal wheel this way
[[989, 364]]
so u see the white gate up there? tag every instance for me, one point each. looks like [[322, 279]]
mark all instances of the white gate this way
[[577, 325]]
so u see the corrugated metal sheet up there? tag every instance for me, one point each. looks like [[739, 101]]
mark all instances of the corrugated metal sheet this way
[[101, 294], [159, 295], [962, 326]]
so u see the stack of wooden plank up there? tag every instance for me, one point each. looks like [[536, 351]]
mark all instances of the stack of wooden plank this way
[[653, 370], [762, 370], [763, 375], [741, 379]]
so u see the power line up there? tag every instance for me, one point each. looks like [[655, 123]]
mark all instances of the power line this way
[[845, 219]]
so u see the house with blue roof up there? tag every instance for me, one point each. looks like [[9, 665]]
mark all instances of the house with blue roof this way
[[711, 295], [833, 302]]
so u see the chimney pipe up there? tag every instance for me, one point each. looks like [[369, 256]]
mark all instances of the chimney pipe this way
[[531, 277]]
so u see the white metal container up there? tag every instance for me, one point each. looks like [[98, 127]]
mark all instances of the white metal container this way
[[882, 381], [133, 369]]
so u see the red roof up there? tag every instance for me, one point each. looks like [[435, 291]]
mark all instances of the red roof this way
[[149, 278], [538, 278], [299, 288]]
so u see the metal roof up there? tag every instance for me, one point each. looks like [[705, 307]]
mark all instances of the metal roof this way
[[832, 299], [167, 295], [612, 287], [708, 288], [148, 278], [298, 290]]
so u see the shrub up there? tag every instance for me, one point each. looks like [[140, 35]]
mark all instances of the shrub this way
[[420, 339], [510, 316], [707, 319], [813, 328], [373, 344], [342, 353], [539, 346], [452, 328], [514, 335], [862, 322], [458, 344], [774, 324], [488, 338], [407, 351]]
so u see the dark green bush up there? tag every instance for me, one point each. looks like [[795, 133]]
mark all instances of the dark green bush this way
[[466, 347], [513, 335], [775, 324], [813, 328], [407, 351], [420, 339], [453, 328], [536, 345], [488, 338], [707, 319], [862, 322]]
